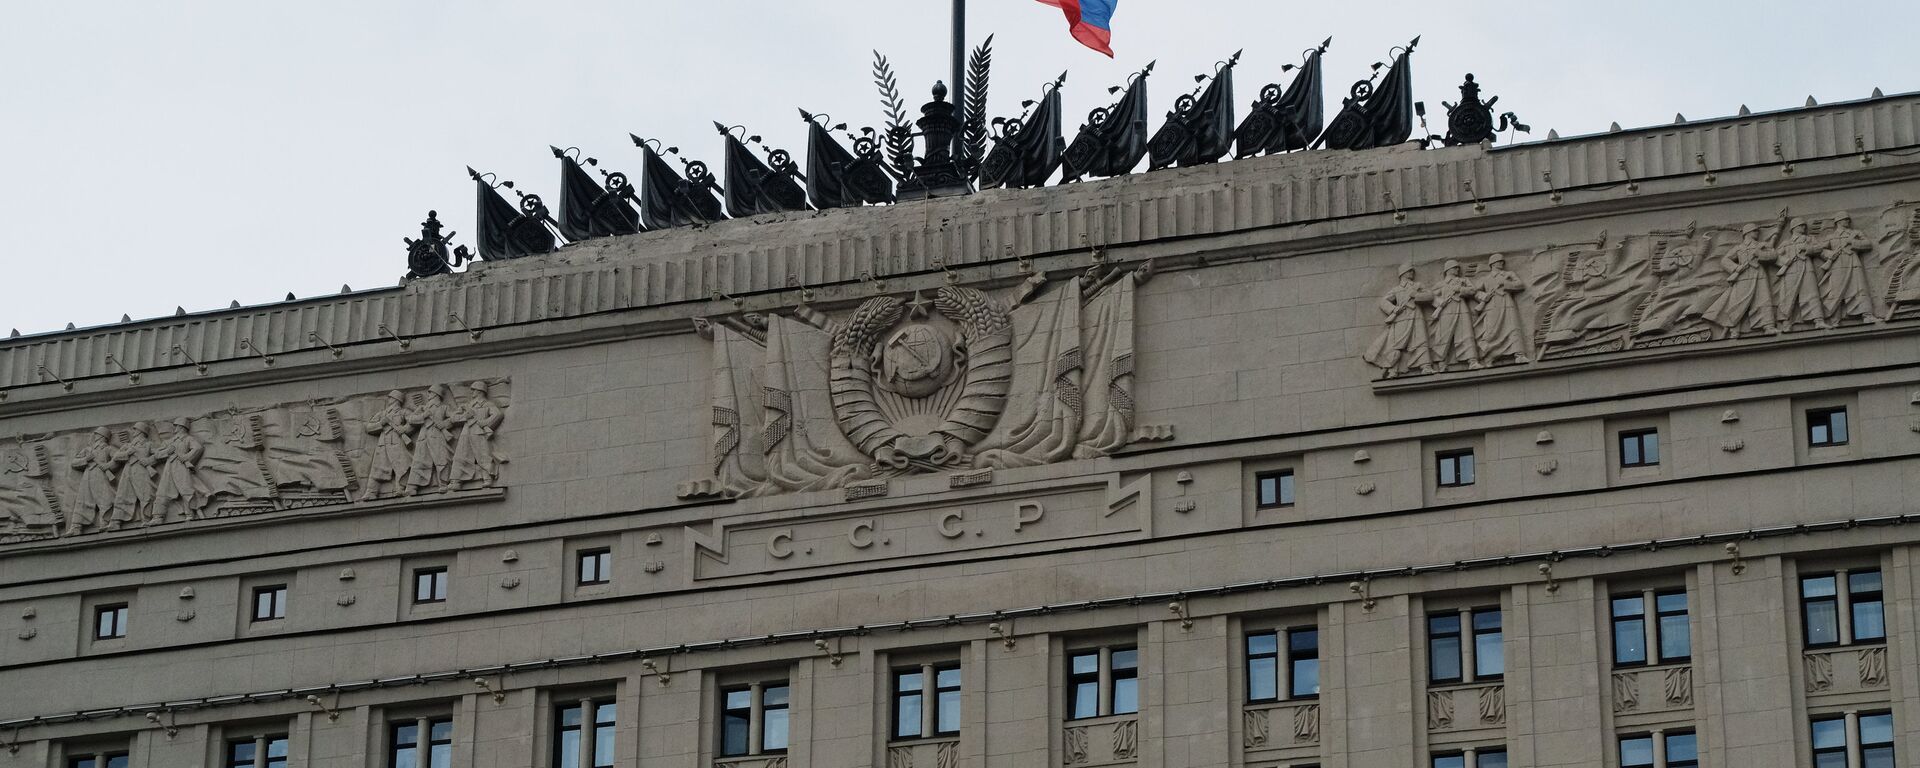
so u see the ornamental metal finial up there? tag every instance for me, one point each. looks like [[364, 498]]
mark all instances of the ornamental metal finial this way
[[936, 174], [1471, 121], [428, 256]]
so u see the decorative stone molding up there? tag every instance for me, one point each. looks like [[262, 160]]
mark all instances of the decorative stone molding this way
[[1626, 691], [1654, 290], [1488, 702], [1306, 724], [1873, 668], [1819, 668], [1074, 742], [1126, 739], [1439, 710], [403, 445], [1493, 705], [960, 381], [1666, 288], [1677, 686], [1254, 724]]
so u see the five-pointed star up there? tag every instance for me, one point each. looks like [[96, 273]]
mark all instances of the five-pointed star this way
[[917, 306]]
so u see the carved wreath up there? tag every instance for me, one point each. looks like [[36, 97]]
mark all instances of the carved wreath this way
[[985, 349]]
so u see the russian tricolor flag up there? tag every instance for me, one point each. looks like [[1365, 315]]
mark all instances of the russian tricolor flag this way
[[1091, 22]]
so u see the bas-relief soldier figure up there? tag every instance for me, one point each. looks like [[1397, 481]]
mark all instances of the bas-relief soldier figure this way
[[23, 510], [1452, 330], [179, 482], [1402, 344], [1843, 284], [93, 491], [1747, 304], [473, 459], [133, 498], [1797, 294], [1501, 336], [392, 454], [432, 441]]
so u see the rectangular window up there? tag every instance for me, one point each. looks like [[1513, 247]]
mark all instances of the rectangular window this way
[[1683, 750], [1876, 740], [1443, 648], [1454, 469], [1630, 635], [1489, 645], [1491, 758], [1640, 448], [258, 752], [411, 750], [110, 621], [1450, 760], [1274, 489], [1830, 742], [1265, 681], [1825, 624], [1121, 669], [430, 585], [270, 603], [583, 734], [108, 760], [1636, 752], [596, 566], [1673, 629], [926, 701], [1826, 426], [750, 711]]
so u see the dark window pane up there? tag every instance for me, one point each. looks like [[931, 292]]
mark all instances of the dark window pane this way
[[1823, 622], [1629, 641], [1449, 761], [117, 761], [906, 715], [1265, 642], [1876, 729], [1830, 733], [733, 734], [570, 716], [1443, 654], [773, 737], [1630, 450], [1444, 623], [947, 714], [1306, 678], [1683, 748], [604, 714], [1832, 759], [406, 735], [1676, 638], [1484, 620], [1838, 423], [1086, 664], [1877, 757], [1086, 700], [1671, 602], [1304, 640], [440, 730], [1863, 581], [1491, 759], [603, 747], [774, 696], [1126, 696], [947, 678], [440, 756], [1636, 752], [1489, 655], [242, 753], [741, 699], [1624, 607], [1262, 679], [908, 682], [570, 749], [1818, 586], [1128, 659], [1869, 621]]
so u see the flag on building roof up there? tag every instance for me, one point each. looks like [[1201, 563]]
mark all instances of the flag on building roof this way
[[1090, 21]]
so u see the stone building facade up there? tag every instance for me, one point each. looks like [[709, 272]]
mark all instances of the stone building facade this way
[[1587, 452]]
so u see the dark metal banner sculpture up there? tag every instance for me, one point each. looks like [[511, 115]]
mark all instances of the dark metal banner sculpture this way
[[1198, 130], [837, 178], [1286, 121], [1471, 121], [1028, 148], [753, 187], [1114, 138], [936, 173], [507, 232], [428, 255], [1376, 117], [667, 200], [588, 210]]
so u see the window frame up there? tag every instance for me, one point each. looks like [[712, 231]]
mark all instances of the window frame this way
[[1459, 655], [1658, 649], [1641, 437], [1854, 602], [122, 613], [1285, 663], [1461, 479], [1615, 619], [423, 740], [1891, 745], [1653, 753], [588, 730], [439, 577], [1283, 488], [277, 600], [931, 705], [1845, 632], [1106, 678], [1474, 619], [101, 759], [602, 560], [1846, 738], [756, 711], [262, 745], [1825, 415], [1666, 742]]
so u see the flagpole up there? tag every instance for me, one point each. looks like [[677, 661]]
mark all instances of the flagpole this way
[[959, 85]]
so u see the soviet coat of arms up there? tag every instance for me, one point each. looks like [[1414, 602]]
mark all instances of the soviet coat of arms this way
[[959, 380]]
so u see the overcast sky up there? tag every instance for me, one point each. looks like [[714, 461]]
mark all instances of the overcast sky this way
[[158, 153]]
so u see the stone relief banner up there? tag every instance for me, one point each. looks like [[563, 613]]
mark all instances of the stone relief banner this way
[[317, 453], [1667, 287], [962, 380]]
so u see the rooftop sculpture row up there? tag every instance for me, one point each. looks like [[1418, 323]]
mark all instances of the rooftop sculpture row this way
[[953, 157]]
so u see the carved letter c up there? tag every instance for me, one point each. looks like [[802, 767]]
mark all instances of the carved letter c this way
[[946, 522], [781, 545], [861, 536]]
